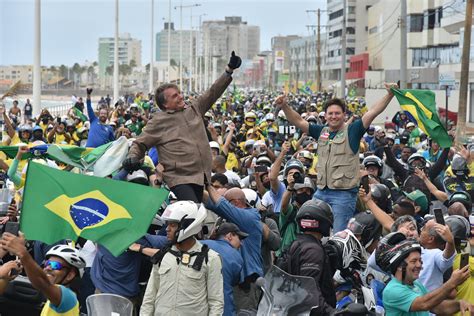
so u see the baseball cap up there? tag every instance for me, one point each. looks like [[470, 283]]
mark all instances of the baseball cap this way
[[226, 228], [411, 124], [419, 198]]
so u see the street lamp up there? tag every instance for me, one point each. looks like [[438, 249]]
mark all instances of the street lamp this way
[[181, 40]]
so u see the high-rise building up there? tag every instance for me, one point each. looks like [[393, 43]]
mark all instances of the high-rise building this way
[[162, 45], [221, 37], [129, 49], [356, 33]]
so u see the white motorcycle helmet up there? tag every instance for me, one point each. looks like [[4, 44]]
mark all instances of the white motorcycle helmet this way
[[252, 197], [189, 217]]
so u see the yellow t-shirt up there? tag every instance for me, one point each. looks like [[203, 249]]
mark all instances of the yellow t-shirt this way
[[465, 291], [69, 305], [232, 162]]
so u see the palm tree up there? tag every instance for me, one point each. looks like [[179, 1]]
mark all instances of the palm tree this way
[[63, 71], [76, 70], [90, 74]]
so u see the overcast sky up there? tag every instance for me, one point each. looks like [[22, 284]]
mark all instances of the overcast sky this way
[[70, 29]]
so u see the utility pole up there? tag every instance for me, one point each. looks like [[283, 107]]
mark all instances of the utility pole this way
[[151, 50], [37, 61], [116, 49], [169, 42], [343, 50], [318, 56], [403, 44], [461, 125], [181, 7], [318, 47]]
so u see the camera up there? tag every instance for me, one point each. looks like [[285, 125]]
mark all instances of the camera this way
[[298, 177]]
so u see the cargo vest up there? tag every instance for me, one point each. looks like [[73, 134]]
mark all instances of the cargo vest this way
[[338, 167]]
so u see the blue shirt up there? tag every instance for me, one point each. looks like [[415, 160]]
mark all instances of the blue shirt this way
[[119, 275], [356, 130], [434, 266], [232, 263], [398, 297], [248, 221], [274, 198], [99, 134]]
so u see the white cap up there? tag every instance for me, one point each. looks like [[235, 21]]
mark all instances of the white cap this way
[[214, 145], [411, 124]]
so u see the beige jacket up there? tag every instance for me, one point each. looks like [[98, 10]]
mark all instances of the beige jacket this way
[[338, 166], [179, 290], [181, 140]]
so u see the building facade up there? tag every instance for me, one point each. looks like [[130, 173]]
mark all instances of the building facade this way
[[129, 49], [221, 37]]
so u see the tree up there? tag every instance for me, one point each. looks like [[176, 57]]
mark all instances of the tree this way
[[109, 70], [76, 70], [63, 71], [133, 63], [90, 74], [147, 67]]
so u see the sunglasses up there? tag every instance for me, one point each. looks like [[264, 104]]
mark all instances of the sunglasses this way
[[54, 265]]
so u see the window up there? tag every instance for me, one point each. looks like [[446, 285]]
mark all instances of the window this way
[[351, 10], [438, 16], [429, 18], [415, 22], [350, 30], [336, 15], [350, 50], [373, 30]]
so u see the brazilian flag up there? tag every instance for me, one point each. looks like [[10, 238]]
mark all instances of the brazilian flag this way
[[420, 106], [80, 115], [61, 205]]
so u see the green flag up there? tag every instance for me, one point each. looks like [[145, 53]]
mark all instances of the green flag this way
[[62, 205], [420, 106], [80, 115]]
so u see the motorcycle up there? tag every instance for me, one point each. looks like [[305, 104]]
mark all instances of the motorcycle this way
[[286, 294]]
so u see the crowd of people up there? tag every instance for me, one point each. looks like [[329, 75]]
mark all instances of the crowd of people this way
[[305, 182]]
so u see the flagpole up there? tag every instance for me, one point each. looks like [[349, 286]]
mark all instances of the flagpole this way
[[116, 62], [37, 61], [151, 49]]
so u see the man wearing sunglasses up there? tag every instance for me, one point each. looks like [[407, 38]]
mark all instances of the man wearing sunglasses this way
[[61, 268]]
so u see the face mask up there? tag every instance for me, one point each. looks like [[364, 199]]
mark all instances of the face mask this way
[[302, 197]]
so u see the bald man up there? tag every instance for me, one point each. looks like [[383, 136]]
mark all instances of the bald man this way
[[233, 208], [457, 208]]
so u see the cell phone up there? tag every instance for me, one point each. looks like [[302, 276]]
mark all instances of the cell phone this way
[[439, 216], [12, 228], [464, 261], [261, 168], [397, 141], [58, 119], [364, 183]]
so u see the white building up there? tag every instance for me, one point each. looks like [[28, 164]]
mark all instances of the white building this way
[[129, 49]]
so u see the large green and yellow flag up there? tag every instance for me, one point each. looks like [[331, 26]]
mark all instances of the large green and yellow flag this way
[[420, 106], [61, 205]]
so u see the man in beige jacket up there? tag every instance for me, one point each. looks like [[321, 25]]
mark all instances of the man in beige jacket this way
[[179, 135], [186, 278]]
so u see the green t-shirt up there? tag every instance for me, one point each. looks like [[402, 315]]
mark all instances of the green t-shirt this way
[[288, 231], [356, 130], [398, 297]]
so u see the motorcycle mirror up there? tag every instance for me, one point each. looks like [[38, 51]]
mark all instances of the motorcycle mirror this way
[[260, 282]]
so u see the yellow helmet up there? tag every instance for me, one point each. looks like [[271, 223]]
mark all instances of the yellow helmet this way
[[250, 119]]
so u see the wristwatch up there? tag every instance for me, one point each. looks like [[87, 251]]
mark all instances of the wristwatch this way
[[140, 250]]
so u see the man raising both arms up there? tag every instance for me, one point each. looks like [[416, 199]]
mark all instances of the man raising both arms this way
[[338, 151]]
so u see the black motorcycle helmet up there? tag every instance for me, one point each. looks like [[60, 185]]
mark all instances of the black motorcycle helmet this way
[[315, 215], [393, 249], [366, 226], [373, 160], [382, 196], [462, 197]]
